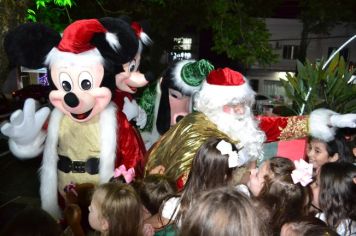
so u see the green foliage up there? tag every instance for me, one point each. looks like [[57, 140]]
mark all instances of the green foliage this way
[[328, 88], [53, 13], [239, 35]]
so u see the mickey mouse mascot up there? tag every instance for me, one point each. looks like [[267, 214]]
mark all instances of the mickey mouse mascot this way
[[80, 143]]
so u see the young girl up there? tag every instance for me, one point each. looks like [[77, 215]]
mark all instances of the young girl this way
[[337, 196], [210, 169], [223, 211], [153, 190], [115, 209], [272, 184], [321, 152]]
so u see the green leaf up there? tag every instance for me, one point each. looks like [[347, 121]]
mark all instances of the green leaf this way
[[40, 3]]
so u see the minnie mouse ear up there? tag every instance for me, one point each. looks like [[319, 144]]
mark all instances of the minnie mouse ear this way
[[28, 44], [126, 37]]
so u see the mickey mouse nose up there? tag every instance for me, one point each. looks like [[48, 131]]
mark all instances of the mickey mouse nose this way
[[71, 99]]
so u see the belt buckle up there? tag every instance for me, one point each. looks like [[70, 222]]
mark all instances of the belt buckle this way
[[78, 166]]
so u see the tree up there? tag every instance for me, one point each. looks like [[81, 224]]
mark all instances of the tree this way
[[12, 13], [319, 17], [54, 13], [238, 31]]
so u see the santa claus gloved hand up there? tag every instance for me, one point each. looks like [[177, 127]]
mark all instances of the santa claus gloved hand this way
[[343, 121], [25, 133], [130, 109], [323, 123]]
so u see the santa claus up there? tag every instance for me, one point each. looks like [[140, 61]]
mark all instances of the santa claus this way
[[223, 108]]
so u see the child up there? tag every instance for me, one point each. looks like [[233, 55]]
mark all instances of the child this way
[[337, 196], [321, 152], [210, 169], [309, 226], [222, 211], [272, 184], [115, 209], [153, 190]]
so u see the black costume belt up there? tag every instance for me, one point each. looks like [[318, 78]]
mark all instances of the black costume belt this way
[[66, 165]]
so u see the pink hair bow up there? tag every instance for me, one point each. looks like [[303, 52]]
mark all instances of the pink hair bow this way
[[128, 175], [71, 188], [303, 172]]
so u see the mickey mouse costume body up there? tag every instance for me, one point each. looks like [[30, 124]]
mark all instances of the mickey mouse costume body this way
[[81, 142]]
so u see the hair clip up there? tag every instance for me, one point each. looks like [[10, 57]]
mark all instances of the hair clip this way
[[226, 148], [71, 188], [303, 172], [128, 175]]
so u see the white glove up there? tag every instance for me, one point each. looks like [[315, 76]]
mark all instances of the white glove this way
[[24, 129], [343, 121], [130, 108], [141, 119], [323, 123]]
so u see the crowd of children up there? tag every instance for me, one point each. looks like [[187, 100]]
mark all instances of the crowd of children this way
[[211, 204]]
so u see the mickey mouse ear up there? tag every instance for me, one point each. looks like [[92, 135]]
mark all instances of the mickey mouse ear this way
[[28, 44]]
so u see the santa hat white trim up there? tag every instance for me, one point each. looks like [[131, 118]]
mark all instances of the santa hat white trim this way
[[145, 39], [221, 95], [113, 41], [87, 57]]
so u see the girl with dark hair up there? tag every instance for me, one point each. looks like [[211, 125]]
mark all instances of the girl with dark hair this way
[[272, 184], [223, 211], [321, 152], [212, 167], [337, 197]]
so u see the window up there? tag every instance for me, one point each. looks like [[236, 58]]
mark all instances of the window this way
[[344, 52], [290, 52]]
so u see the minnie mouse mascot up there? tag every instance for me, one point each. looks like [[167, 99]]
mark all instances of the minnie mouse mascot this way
[[81, 142]]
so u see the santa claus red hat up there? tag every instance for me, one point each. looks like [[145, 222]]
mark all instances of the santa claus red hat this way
[[76, 46], [227, 86]]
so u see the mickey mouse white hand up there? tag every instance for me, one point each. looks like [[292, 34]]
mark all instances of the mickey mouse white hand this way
[[141, 119], [24, 129], [130, 108]]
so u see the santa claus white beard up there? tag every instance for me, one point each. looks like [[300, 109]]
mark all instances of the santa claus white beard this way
[[243, 128]]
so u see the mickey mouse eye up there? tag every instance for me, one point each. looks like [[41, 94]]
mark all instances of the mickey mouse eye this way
[[132, 66], [85, 80], [65, 82]]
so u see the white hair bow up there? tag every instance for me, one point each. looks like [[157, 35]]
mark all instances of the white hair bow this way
[[226, 148], [303, 172]]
